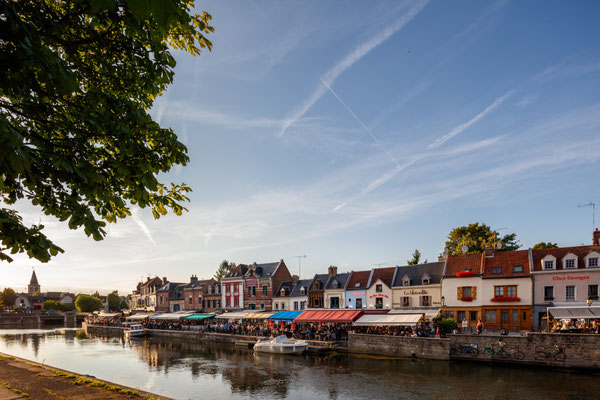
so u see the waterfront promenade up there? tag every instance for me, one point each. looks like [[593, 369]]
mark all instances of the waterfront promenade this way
[[21, 378]]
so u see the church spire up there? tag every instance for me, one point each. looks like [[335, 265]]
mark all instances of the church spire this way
[[34, 286]]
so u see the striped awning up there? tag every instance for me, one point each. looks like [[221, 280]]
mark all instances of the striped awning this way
[[388, 320], [575, 312], [285, 315], [343, 316], [258, 315], [234, 314]]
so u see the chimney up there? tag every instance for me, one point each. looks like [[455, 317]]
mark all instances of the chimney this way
[[193, 278], [165, 281], [489, 252], [332, 270], [596, 240]]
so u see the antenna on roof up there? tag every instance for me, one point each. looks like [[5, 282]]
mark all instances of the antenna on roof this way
[[498, 244], [590, 204], [380, 264], [299, 265]]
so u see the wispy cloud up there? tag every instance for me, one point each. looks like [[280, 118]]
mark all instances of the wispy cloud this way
[[135, 217], [349, 60]]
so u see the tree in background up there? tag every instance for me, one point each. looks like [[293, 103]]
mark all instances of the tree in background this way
[[416, 258], [477, 237], [8, 297], [76, 137], [544, 245], [115, 302], [57, 306], [85, 303], [224, 268]]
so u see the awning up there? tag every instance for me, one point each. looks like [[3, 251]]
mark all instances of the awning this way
[[429, 312], [258, 315], [169, 316], [137, 317], [198, 317], [329, 316], [234, 314], [388, 320], [285, 315], [108, 315], [575, 312]]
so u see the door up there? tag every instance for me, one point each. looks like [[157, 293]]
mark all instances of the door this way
[[504, 321]]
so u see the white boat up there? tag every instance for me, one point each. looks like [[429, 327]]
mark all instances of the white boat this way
[[280, 345], [134, 330]]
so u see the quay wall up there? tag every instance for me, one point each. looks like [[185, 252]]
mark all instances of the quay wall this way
[[399, 346]]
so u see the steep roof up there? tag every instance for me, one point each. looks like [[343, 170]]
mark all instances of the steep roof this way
[[340, 279], [170, 286], [359, 280], [197, 284], [416, 273], [33, 281], [322, 279], [150, 281], [302, 283], [506, 261], [559, 253], [238, 271], [266, 270], [385, 275], [287, 285], [463, 262]]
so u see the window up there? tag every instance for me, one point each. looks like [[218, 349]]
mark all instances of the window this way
[[190, 300], [379, 288], [406, 282], [592, 262], [570, 293], [316, 301], [379, 302], [490, 315], [406, 302], [262, 306], [570, 263], [504, 314], [473, 315], [302, 290], [517, 269], [236, 302], [497, 270], [426, 281], [358, 304], [302, 305], [461, 316], [498, 291], [295, 306], [425, 301], [515, 316], [251, 306], [283, 306], [466, 291], [335, 285], [357, 284], [593, 292], [511, 291], [265, 291], [334, 302], [277, 306], [548, 264], [249, 290], [548, 293]]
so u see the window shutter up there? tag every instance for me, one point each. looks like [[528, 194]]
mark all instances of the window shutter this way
[[459, 293], [474, 292]]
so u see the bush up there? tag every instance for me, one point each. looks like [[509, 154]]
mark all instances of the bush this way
[[85, 303], [57, 306], [445, 325]]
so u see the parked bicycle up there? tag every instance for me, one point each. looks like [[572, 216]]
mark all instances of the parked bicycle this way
[[554, 353], [515, 353], [496, 351], [464, 349]]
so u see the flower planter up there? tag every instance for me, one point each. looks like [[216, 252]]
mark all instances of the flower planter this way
[[465, 274], [467, 298], [504, 299]]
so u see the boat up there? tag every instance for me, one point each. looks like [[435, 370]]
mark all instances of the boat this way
[[135, 330], [280, 345]]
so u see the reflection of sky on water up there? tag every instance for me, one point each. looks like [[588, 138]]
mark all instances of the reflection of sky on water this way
[[199, 370]]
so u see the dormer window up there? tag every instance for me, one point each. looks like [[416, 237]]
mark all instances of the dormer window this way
[[406, 282], [517, 269], [549, 263], [378, 288], [282, 292], [497, 270], [335, 285], [570, 261], [426, 279], [592, 260], [357, 284], [302, 290], [316, 285]]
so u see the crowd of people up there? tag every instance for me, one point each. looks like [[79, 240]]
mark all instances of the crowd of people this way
[[408, 331], [575, 326]]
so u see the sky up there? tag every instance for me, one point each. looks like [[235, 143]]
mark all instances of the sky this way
[[355, 132]]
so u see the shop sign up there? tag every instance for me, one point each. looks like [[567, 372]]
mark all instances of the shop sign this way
[[570, 278], [378, 295], [422, 291], [251, 281], [359, 293]]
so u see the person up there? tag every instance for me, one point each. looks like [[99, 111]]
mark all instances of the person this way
[[465, 325], [479, 327]]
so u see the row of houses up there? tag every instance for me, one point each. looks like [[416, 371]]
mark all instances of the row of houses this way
[[504, 289]]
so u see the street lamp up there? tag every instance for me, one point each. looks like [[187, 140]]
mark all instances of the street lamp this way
[[443, 301], [589, 302]]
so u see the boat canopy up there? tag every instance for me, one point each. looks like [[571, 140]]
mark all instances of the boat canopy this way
[[234, 314], [575, 312], [329, 316], [388, 320], [194, 317], [285, 315]]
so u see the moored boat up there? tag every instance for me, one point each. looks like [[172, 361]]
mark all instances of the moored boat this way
[[135, 330], [280, 345]]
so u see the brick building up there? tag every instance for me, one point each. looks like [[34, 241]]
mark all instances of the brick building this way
[[232, 288], [260, 281]]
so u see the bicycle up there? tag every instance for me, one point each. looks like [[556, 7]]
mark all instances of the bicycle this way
[[555, 353], [499, 352], [516, 353], [464, 349]]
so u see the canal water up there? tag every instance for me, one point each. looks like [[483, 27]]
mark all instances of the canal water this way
[[200, 370]]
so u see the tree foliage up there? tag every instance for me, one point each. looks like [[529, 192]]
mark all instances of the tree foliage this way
[[416, 258], [8, 297], [115, 302], [57, 306], [544, 245], [76, 136], [477, 237], [445, 325], [224, 268], [85, 303]]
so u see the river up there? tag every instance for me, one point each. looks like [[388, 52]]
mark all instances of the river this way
[[200, 370]]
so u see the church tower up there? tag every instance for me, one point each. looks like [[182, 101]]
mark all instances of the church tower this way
[[34, 286]]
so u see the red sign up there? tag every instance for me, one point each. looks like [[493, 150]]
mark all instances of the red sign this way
[[378, 295], [570, 278], [251, 281]]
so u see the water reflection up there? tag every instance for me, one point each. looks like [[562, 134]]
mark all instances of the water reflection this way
[[183, 369]]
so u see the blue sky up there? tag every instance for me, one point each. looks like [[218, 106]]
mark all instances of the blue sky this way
[[355, 132]]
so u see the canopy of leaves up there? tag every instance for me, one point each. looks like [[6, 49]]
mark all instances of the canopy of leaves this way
[[544, 245], [416, 258], [57, 306], [477, 237], [445, 325], [115, 303], [8, 297], [224, 268], [85, 303], [76, 138]]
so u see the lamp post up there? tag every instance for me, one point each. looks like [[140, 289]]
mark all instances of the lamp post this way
[[443, 301]]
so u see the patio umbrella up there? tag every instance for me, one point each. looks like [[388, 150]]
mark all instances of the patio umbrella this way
[[271, 323], [293, 326], [282, 325]]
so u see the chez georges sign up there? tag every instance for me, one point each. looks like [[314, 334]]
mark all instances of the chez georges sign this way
[[571, 278]]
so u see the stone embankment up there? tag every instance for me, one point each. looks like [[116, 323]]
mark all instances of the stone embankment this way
[[21, 378]]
